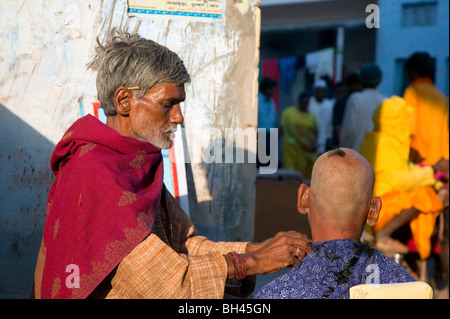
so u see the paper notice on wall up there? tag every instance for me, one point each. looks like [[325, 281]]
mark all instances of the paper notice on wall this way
[[199, 10], [242, 5]]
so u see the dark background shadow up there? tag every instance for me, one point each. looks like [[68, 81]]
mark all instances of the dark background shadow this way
[[25, 181]]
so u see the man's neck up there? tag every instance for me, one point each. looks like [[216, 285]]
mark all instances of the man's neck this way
[[330, 233], [120, 124]]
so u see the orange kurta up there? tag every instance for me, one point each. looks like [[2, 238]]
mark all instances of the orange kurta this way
[[430, 121], [400, 183]]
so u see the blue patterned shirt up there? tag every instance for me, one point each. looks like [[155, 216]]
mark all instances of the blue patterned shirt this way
[[331, 269]]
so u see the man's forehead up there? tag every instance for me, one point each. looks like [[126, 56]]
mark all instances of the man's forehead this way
[[169, 91]]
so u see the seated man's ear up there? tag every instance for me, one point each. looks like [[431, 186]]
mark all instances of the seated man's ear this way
[[303, 199], [374, 211], [122, 100]]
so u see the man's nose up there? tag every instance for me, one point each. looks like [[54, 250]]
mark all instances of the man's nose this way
[[176, 115]]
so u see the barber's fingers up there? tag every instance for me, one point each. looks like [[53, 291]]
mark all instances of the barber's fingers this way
[[291, 233], [295, 239], [298, 252], [303, 243], [297, 256]]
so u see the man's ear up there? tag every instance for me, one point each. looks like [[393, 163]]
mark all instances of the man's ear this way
[[374, 211], [122, 100], [303, 199]]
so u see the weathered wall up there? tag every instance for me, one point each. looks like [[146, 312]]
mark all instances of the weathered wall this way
[[44, 47], [222, 194]]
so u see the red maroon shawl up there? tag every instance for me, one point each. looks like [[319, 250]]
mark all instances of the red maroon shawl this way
[[101, 205]]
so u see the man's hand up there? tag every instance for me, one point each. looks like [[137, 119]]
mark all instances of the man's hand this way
[[415, 157], [443, 196], [283, 250], [441, 166]]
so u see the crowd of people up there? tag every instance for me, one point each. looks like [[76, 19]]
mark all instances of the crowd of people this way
[[404, 138]]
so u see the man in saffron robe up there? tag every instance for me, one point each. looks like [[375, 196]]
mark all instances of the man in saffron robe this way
[[112, 229], [430, 141], [299, 128], [339, 202], [408, 191], [430, 125]]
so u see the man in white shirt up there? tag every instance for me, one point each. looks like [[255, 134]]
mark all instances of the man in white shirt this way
[[360, 106], [322, 108]]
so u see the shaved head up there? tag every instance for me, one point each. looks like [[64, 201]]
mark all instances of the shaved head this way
[[341, 189]]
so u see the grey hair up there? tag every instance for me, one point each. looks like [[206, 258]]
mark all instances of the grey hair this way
[[130, 60]]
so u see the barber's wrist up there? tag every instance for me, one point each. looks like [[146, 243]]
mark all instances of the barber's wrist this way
[[251, 262], [251, 247], [235, 266]]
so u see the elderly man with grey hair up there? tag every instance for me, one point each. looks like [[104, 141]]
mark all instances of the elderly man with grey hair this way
[[112, 229]]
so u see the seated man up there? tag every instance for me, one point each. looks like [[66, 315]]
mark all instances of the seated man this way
[[339, 202], [410, 192]]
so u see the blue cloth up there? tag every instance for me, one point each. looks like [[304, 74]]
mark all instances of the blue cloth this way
[[331, 269], [267, 116], [288, 72]]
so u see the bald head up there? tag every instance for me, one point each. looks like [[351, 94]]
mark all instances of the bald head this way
[[340, 193]]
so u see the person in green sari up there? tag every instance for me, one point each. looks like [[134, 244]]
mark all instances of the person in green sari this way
[[299, 129]]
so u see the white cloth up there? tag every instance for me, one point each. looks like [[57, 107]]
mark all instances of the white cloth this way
[[321, 63], [320, 84], [324, 115], [357, 119]]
